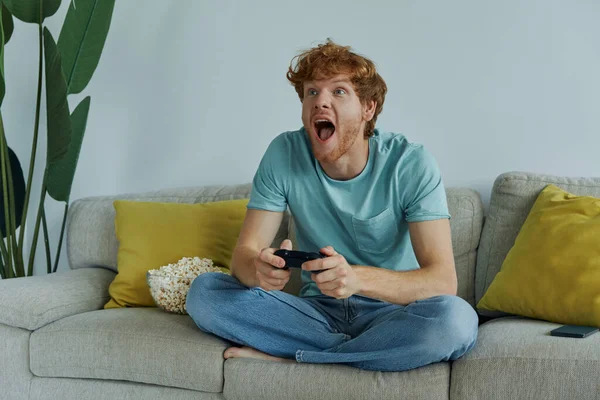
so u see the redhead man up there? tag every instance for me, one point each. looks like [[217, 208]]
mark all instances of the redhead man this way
[[374, 203]]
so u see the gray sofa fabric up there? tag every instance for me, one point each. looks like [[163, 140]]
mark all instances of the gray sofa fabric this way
[[50, 297], [15, 374], [516, 358], [513, 195], [466, 224], [87, 389], [135, 344], [256, 379]]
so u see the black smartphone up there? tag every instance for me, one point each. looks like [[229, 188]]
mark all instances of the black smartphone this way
[[574, 331]]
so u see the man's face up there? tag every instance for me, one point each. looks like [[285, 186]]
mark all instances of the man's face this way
[[333, 117]]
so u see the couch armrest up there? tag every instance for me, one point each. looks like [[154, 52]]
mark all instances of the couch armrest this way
[[34, 301]]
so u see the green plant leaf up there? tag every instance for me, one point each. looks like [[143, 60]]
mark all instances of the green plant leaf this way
[[7, 23], [57, 108], [29, 10], [82, 39], [61, 173], [18, 188]]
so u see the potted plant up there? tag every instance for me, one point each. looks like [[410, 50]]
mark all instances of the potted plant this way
[[67, 66]]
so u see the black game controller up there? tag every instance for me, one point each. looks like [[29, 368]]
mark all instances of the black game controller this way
[[295, 259]]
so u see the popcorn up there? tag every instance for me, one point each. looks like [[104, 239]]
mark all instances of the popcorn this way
[[170, 283]]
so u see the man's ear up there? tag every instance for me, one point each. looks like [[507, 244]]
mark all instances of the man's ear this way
[[369, 110]]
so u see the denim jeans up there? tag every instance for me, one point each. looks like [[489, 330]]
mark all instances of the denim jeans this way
[[358, 331]]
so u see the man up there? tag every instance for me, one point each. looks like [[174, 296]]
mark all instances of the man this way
[[375, 205]]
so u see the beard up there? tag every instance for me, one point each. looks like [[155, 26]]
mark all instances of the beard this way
[[345, 137]]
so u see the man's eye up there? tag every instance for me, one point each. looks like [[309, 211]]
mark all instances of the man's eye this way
[[340, 91], [312, 92]]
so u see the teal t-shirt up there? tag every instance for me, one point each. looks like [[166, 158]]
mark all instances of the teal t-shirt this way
[[365, 218]]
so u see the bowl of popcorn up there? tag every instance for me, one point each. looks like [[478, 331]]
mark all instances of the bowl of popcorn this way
[[169, 284]]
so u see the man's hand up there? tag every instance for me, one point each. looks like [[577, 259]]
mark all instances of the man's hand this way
[[338, 279], [270, 274]]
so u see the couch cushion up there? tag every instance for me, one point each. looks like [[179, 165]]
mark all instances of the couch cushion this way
[[267, 380], [552, 272], [57, 295], [516, 358], [466, 210], [14, 365], [134, 344], [99, 246], [93, 389], [513, 195]]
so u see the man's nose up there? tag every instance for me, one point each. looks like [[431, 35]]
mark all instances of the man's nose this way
[[323, 101]]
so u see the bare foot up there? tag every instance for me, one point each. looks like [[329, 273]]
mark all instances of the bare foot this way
[[249, 352]]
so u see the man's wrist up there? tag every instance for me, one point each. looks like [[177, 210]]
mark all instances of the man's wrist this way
[[358, 270], [362, 274]]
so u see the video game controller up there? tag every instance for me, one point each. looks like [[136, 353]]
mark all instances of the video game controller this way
[[295, 259]]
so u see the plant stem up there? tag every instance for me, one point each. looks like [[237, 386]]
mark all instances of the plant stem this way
[[2, 264], [4, 261], [6, 195], [18, 259], [46, 241], [62, 231], [36, 231], [35, 141]]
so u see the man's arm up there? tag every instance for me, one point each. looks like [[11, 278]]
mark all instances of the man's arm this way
[[432, 244], [258, 232]]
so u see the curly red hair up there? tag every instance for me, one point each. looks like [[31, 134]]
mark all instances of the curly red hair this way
[[330, 59]]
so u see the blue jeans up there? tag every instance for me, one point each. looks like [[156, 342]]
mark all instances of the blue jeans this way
[[358, 331]]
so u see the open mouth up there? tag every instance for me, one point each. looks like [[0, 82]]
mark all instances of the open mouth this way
[[324, 128]]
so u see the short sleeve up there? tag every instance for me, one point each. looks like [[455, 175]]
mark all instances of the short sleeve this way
[[270, 180], [425, 195]]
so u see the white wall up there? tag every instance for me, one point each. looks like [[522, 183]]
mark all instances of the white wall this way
[[190, 92]]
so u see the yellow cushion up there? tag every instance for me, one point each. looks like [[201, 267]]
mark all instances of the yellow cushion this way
[[155, 234], [553, 270]]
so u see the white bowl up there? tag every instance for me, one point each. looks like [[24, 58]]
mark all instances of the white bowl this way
[[169, 291]]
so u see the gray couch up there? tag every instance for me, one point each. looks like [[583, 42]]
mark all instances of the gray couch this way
[[57, 341]]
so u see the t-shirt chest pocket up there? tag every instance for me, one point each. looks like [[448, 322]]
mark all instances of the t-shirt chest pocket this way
[[376, 234]]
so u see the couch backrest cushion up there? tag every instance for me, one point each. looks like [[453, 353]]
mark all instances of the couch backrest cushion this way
[[513, 196], [91, 238], [466, 209]]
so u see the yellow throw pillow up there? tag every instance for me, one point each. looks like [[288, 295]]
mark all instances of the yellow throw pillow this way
[[154, 234], [553, 270]]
